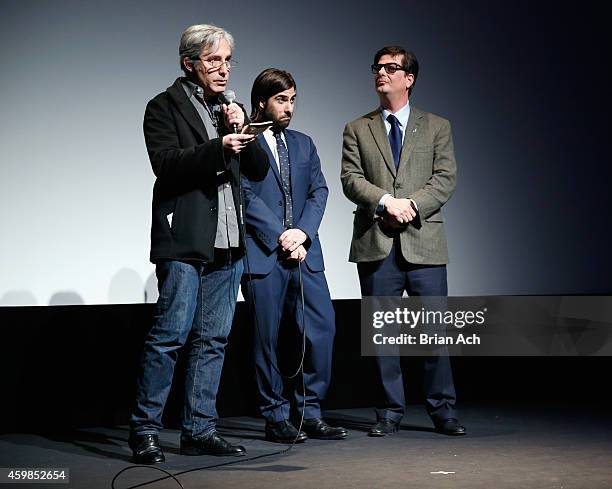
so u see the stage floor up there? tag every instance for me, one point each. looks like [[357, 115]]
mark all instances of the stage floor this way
[[507, 446]]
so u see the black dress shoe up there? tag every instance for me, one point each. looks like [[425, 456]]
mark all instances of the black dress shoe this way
[[210, 444], [317, 428], [146, 449], [284, 432], [384, 427], [450, 427]]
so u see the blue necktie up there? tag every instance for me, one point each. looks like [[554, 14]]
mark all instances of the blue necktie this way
[[285, 174], [395, 139]]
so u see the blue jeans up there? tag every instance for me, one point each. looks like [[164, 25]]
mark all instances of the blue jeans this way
[[196, 306]]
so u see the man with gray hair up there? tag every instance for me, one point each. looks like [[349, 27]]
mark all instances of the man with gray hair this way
[[196, 242]]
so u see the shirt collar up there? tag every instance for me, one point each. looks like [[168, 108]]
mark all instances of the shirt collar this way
[[269, 135], [192, 89], [402, 114]]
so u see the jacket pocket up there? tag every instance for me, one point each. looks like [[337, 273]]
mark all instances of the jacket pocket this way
[[435, 217]]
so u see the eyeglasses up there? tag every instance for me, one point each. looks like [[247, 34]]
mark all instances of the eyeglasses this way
[[390, 68], [215, 64]]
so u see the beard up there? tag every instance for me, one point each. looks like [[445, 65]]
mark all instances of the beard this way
[[278, 125]]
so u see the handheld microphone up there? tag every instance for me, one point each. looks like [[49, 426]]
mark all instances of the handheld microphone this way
[[228, 97]]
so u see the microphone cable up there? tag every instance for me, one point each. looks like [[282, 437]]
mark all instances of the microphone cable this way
[[253, 310]]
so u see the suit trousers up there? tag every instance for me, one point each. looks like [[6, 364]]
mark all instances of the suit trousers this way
[[277, 297], [391, 277]]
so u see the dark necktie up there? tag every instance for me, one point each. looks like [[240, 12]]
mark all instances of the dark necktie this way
[[285, 174], [395, 139]]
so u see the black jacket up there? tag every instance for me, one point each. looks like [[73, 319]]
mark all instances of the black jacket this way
[[185, 161]]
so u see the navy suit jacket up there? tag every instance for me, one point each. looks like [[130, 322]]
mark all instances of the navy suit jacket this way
[[265, 205]]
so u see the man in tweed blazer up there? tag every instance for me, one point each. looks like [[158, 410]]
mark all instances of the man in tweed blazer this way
[[398, 166]]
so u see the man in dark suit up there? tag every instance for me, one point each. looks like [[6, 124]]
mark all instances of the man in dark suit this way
[[398, 166], [283, 214], [196, 242]]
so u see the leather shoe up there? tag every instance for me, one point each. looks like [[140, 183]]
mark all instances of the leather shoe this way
[[210, 444], [317, 428], [384, 427], [284, 432], [146, 449], [450, 427]]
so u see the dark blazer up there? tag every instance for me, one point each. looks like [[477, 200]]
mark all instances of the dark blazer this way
[[265, 204], [185, 161]]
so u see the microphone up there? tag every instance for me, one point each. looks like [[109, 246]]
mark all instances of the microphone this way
[[228, 97]]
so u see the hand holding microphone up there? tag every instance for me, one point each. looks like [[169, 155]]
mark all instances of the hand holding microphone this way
[[232, 113], [234, 119]]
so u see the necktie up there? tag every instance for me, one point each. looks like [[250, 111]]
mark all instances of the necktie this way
[[395, 139], [285, 174]]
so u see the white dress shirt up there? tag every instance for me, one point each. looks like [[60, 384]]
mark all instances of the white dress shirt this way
[[271, 140]]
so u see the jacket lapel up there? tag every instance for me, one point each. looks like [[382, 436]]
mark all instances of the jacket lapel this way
[[271, 161], [186, 108], [377, 127], [411, 135], [292, 148]]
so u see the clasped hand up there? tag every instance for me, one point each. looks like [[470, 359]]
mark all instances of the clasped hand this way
[[292, 240], [398, 211]]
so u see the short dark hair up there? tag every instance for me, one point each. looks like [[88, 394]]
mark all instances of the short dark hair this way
[[267, 84], [410, 63]]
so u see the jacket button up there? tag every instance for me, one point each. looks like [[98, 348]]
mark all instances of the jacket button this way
[[280, 202], [213, 209]]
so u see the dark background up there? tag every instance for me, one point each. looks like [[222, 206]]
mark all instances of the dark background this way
[[73, 367]]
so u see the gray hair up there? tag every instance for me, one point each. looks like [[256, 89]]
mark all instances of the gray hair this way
[[201, 37]]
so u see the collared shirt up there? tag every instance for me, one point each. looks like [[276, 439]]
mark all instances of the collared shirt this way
[[402, 116], [272, 143], [227, 220], [271, 140]]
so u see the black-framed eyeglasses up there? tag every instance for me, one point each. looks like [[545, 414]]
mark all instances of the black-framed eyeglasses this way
[[390, 68]]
